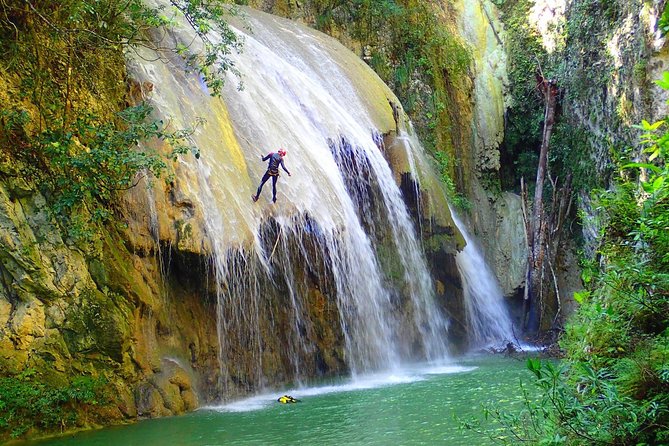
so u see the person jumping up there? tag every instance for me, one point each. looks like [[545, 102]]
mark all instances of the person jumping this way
[[275, 160]]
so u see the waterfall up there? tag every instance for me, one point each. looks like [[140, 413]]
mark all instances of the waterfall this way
[[487, 316], [488, 320], [340, 217]]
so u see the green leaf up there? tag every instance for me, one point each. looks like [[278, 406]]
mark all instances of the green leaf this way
[[658, 183], [581, 296], [586, 276], [663, 24], [534, 366], [664, 82], [651, 127], [648, 166]]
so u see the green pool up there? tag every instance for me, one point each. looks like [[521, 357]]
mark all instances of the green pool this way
[[413, 406]]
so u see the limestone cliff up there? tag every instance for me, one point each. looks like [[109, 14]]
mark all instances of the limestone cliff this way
[[496, 216], [113, 313], [613, 55]]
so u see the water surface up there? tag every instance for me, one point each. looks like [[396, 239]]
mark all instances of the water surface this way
[[414, 406]]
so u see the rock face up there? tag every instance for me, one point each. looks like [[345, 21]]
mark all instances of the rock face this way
[[613, 57], [502, 229], [624, 53], [107, 313], [496, 216]]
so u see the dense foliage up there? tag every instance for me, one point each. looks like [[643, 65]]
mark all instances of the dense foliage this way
[[27, 403], [613, 386]]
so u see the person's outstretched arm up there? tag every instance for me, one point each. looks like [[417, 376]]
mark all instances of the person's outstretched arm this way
[[284, 168], [265, 158]]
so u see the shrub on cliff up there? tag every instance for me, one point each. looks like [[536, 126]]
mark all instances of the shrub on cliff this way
[[27, 403]]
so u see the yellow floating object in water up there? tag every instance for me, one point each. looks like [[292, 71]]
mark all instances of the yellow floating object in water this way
[[287, 399]]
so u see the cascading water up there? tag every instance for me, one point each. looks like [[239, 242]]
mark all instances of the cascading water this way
[[488, 320], [340, 215], [487, 315]]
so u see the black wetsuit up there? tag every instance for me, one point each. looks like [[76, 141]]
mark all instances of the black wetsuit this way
[[275, 160]]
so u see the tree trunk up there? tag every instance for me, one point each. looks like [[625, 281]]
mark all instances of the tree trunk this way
[[560, 210], [537, 223]]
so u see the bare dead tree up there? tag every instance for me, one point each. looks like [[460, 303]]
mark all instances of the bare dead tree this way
[[537, 224], [561, 202]]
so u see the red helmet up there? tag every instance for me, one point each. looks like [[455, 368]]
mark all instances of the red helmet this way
[[282, 152]]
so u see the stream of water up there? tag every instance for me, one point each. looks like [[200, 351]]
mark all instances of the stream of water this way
[[487, 315], [417, 405]]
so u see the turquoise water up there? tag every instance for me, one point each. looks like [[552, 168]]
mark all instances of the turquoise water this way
[[415, 406]]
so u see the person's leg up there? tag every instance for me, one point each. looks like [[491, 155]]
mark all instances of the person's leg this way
[[262, 183], [274, 178]]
